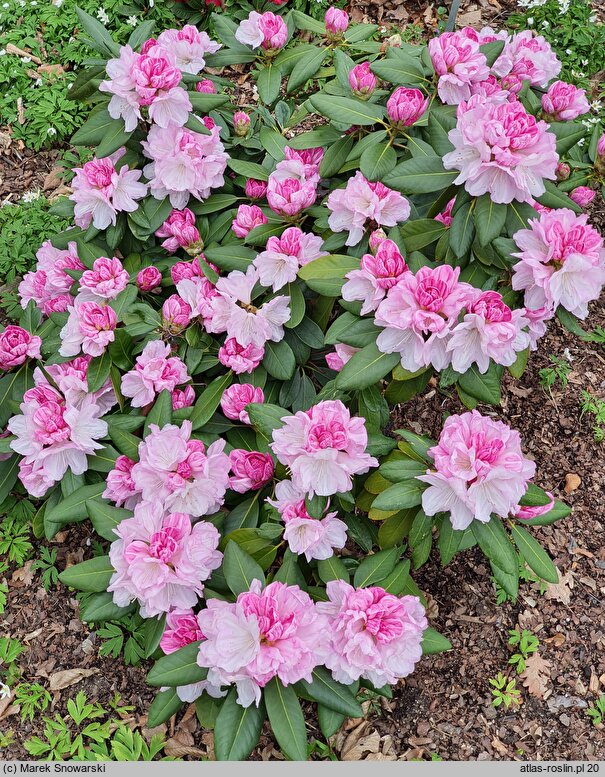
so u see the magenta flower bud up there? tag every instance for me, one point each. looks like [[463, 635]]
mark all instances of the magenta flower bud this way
[[376, 238], [241, 124], [582, 196], [175, 313], [251, 470], [601, 145], [256, 190], [17, 345], [247, 218], [184, 397], [362, 81], [563, 171], [206, 86], [149, 278], [564, 102], [405, 106], [149, 44], [336, 21], [290, 196], [275, 31]]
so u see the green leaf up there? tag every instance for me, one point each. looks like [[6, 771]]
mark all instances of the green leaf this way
[[141, 33], [326, 275], [105, 517], [567, 133], [559, 511], [273, 142], [9, 470], [125, 442], [72, 509], [92, 575], [448, 542], [243, 516], [489, 218], [396, 582], [442, 119], [328, 692], [248, 169], [268, 82], [366, 367], [420, 175], [492, 50], [518, 367], [98, 371], [116, 137], [400, 470], [209, 400], [266, 417], [329, 721], [510, 583], [332, 568], [555, 198], [178, 668], [433, 642], [163, 707], [335, 156], [402, 495], [237, 729], [376, 567], [396, 528], [484, 387], [419, 233], [286, 719], [100, 39], [161, 412], [494, 542], [240, 569], [306, 67], [101, 607], [305, 22], [230, 257], [279, 360], [204, 103], [347, 111], [95, 128], [153, 631], [462, 230], [535, 555], [377, 161], [123, 301], [400, 69], [570, 322]]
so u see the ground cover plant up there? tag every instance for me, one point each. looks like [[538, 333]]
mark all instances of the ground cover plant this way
[[205, 364]]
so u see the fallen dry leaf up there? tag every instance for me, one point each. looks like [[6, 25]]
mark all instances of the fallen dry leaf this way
[[536, 675], [67, 677], [23, 576], [561, 591], [572, 482], [12, 49]]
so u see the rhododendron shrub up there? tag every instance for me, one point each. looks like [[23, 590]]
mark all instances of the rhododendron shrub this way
[[204, 364]]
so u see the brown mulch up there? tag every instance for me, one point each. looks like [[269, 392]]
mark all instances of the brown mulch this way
[[23, 170]]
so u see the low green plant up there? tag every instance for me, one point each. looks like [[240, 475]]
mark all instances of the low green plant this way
[[15, 530], [126, 636], [559, 371], [526, 643], [3, 587], [596, 408], [32, 698], [504, 691], [596, 711], [47, 565], [10, 650], [526, 576]]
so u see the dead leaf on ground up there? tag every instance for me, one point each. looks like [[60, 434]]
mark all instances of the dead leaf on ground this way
[[67, 677], [23, 576], [10, 48], [561, 591], [181, 744], [536, 675], [572, 482], [358, 743]]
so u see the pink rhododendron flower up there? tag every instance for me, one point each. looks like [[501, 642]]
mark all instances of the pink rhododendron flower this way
[[184, 397], [71, 378], [501, 149], [100, 191], [179, 230], [601, 145], [247, 218], [89, 328], [49, 285], [309, 158], [241, 124], [186, 270], [120, 487], [161, 560], [562, 262], [54, 437], [155, 371], [290, 196], [582, 196], [445, 217], [176, 313], [419, 315], [124, 102], [537, 323], [337, 359], [527, 513], [240, 358], [234, 313], [377, 274], [372, 634], [480, 469], [16, 346], [236, 397], [316, 538], [323, 447], [265, 633], [376, 238], [205, 86], [106, 279], [405, 106], [361, 201], [267, 30], [198, 292], [563, 171], [528, 57], [256, 190], [183, 163], [362, 81], [283, 256], [179, 473], [251, 470], [459, 63], [336, 20], [489, 330], [564, 102], [149, 278], [188, 46]]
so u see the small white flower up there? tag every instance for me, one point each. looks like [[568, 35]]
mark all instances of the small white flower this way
[[568, 51], [2, 52], [5, 691], [5, 5], [151, 3], [26, 59], [545, 24], [31, 196], [132, 21], [581, 141], [38, 82], [33, 3], [530, 21], [567, 355], [102, 16], [51, 131]]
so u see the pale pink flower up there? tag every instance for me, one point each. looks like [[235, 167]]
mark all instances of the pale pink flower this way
[[267, 30], [240, 358], [501, 149], [179, 230], [361, 201], [89, 328], [562, 262], [337, 359], [323, 448], [155, 371], [100, 191], [188, 46], [564, 102], [405, 106], [49, 285], [362, 81], [530, 58], [179, 473], [161, 560], [265, 633], [246, 219], [601, 146], [183, 163], [459, 63], [377, 274], [372, 634], [198, 293], [283, 256], [336, 21], [256, 190], [537, 323], [290, 196], [236, 397], [184, 397], [120, 487], [234, 313], [582, 196], [106, 279], [149, 278], [71, 378], [176, 313], [489, 330], [480, 470], [419, 314], [445, 217], [125, 102], [34, 477], [527, 513], [187, 270], [310, 158], [16, 346], [251, 470]]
